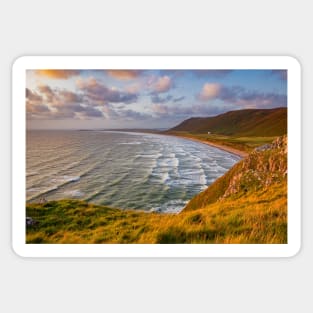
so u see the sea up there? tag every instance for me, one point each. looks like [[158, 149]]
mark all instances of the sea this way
[[126, 170]]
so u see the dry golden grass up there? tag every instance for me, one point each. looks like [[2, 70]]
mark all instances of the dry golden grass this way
[[258, 217]]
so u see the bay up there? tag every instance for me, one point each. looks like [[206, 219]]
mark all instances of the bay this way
[[125, 170]]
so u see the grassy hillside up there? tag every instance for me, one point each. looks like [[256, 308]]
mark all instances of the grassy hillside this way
[[250, 122], [247, 205], [260, 171]]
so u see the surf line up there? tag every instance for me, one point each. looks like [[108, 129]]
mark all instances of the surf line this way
[[237, 152]]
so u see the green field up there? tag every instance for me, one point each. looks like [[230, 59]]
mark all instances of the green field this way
[[245, 144]]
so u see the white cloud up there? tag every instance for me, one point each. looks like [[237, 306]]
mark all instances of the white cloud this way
[[162, 84], [210, 91]]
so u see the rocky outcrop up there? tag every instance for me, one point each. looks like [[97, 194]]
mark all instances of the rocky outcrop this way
[[264, 166], [260, 169], [30, 221]]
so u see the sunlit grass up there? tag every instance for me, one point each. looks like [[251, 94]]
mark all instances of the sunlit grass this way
[[246, 143], [255, 218]]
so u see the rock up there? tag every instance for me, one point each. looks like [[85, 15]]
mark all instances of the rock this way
[[30, 221], [264, 166]]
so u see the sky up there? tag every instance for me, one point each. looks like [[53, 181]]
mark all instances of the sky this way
[[91, 99]]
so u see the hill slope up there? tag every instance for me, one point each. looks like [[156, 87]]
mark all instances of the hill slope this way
[[249, 122], [263, 168]]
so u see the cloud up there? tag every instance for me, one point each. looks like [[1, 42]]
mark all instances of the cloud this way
[[48, 103], [241, 97], [160, 109], [36, 108], [71, 111], [124, 74], [34, 104], [58, 97], [179, 99], [113, 113], [211, 73], [70, 97], [132, 115], [161, 84], [57, 74], [209, 91], [230, 94], [46, 92], [98, 93], [183, 112], [134, 88], [261, 100], [45, 89], [91, 112], [33, 96], [54, 104], [198, 73], [109, 112], [155, 98]]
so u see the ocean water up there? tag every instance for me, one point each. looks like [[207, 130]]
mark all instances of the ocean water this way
[[121, 169]]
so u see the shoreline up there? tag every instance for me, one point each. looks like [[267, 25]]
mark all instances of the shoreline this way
[[237, 152]]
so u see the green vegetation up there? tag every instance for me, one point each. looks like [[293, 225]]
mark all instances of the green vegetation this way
[[246, 205], [246, 144], [240, 123], [242, 130], [256, 218]]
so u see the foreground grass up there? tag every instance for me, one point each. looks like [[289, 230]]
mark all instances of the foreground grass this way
[[256, 217]]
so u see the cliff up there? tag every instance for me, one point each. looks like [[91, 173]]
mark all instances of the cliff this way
[[264, 167]]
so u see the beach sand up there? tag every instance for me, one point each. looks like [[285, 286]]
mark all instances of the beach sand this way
[[240, 153]]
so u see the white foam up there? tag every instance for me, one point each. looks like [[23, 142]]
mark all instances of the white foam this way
[[74, 193], [164, 177], [191, 172], [202, 179], [148, 156], [130, 143], [168, 162], [194, 176], [71, 178], [176, 162], [172, 206]]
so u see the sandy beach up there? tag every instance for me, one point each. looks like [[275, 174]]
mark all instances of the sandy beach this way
[[240, 153]]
